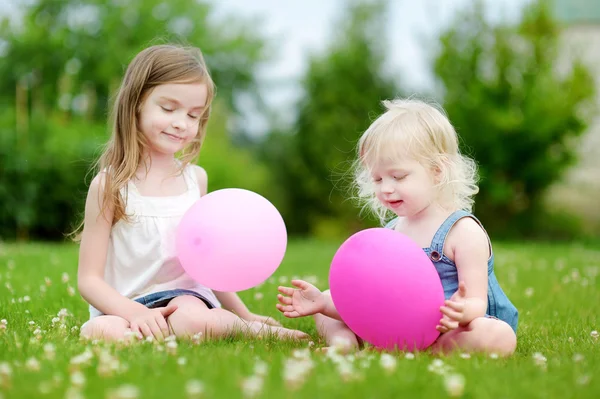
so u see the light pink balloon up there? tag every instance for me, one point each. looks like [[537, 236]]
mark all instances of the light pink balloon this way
[[231, 240], [387, 290]]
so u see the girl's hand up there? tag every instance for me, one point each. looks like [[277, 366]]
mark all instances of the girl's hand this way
[[454, 310], [305, 301], [262, 319], [152, 322]]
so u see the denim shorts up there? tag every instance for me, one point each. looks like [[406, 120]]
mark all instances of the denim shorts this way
[[162, 298]]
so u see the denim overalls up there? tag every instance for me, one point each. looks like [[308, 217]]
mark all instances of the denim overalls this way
[[499, 306]]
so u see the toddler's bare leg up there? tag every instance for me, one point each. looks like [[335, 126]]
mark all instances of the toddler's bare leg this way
[[483, 334], [335, 332]]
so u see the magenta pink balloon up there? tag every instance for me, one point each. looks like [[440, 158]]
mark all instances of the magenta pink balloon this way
[[231, 240], [387, 290]]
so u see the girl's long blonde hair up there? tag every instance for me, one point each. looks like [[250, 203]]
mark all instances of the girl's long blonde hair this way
[[421, 131], [124, 152]]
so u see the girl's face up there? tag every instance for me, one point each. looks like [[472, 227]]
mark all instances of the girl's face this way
[[405, 187], [170, 116]]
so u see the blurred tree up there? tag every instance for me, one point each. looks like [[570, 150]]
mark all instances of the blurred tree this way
[[59, 69], [343, 89], [516, 113], [72, 54]]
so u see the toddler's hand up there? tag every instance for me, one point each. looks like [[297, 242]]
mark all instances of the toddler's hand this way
[[262, 319], [454, 310], [305, 301], [152, 322]]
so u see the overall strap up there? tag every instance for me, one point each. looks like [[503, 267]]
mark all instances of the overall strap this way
[[439, 239]]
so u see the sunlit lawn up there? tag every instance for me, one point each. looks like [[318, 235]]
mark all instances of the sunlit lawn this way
[[555, 287]]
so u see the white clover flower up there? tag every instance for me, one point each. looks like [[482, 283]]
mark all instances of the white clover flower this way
[[32, 364], [296, 370], [77, 379], [45, 387], [584, 379], [260, 368], [73, 393], [540, 360], [365, 363], [578, 357], [594, 335], [258, 296], [126, 391], [194, 389], [182, 361], [5, 369], [82, 359], [65, 277], [438, 367], [454, 384], [346, 370], [252, 386], [529, 292], [196, 338], [388, 362], [409, 355], [575, 274], [57, 379], [171, 347], [49, 351], [301, 353]]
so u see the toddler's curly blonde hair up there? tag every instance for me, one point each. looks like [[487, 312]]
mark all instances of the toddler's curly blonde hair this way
[[414, 129]]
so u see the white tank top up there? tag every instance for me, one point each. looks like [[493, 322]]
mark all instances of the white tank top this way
[[141, 257]]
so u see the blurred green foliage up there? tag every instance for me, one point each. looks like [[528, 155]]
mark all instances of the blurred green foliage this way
[[61, 67], [343, 90], [517, 113]]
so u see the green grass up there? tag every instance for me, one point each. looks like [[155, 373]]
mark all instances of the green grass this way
[[555, 287]]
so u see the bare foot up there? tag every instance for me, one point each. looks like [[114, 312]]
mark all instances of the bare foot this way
[[261, 330], [287, 333], [344, 350], [340, 345]]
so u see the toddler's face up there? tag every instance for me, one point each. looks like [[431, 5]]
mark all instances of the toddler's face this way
[[405, 186], [170, 116]]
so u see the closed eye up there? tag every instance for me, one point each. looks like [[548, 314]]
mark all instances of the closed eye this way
[[401, 177], [167, 109], [193, 116]]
